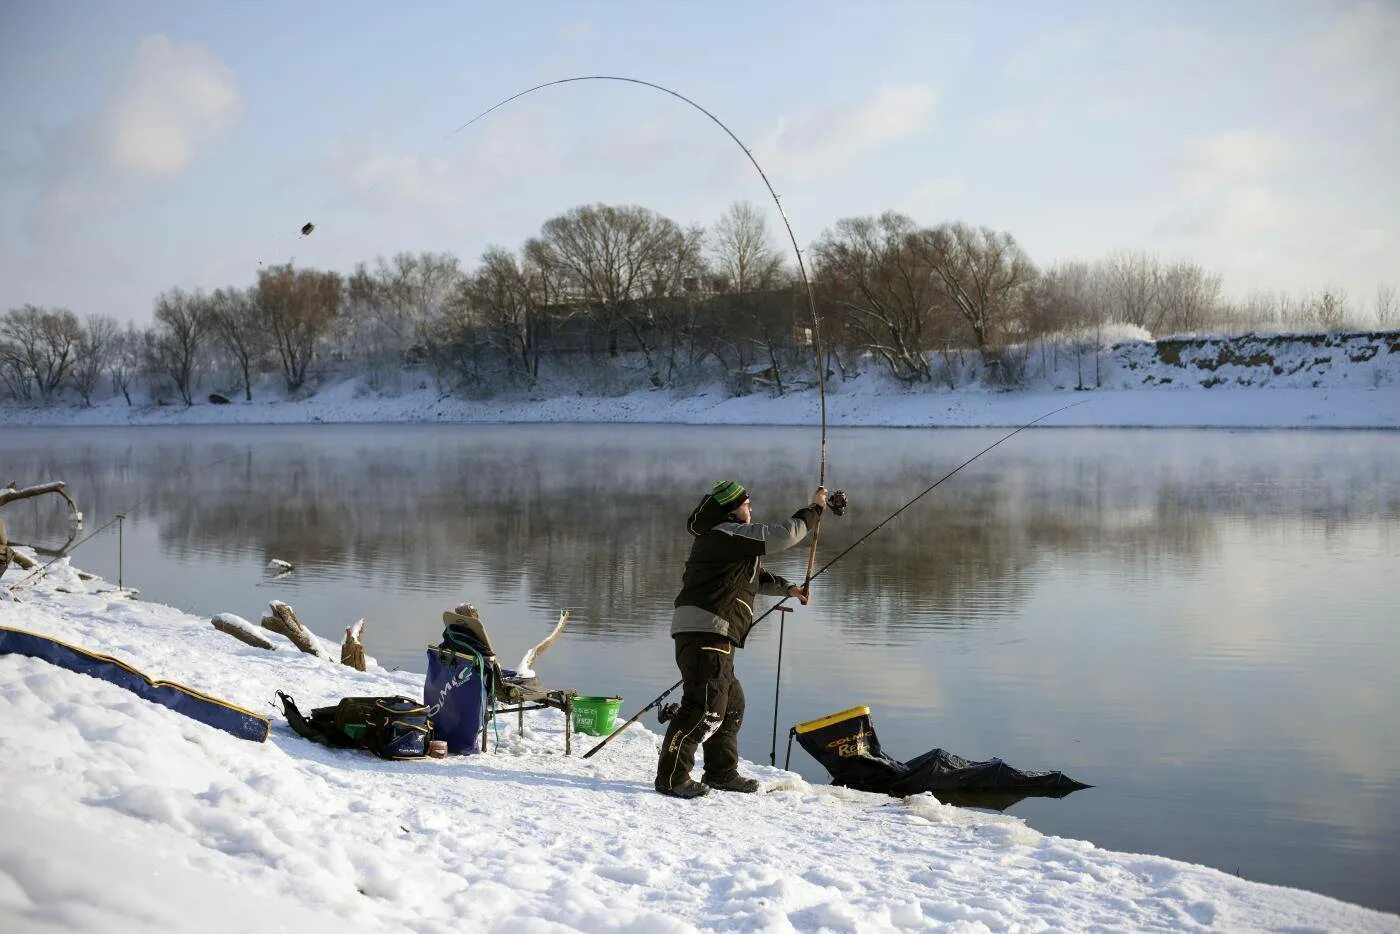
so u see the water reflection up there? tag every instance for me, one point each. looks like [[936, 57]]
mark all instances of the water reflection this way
[[1198, 623]]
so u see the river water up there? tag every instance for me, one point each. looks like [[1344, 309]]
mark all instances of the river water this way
[[1201, 624]]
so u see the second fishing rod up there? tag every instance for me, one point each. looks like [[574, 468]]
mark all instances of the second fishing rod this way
[[827, 566]]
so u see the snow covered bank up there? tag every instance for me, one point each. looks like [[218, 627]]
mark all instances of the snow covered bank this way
[[121, 815], [866, 402], [1289, 381]]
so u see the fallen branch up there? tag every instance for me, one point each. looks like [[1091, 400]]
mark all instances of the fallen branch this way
[[24, 562], [352, 651], [242, 630], [10, 494], [283, 621]]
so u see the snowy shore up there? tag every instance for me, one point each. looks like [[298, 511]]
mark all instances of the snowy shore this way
[[1247, 381], [867, 402], [124, 816]]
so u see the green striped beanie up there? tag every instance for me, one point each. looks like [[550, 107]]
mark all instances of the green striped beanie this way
[[729, 494]]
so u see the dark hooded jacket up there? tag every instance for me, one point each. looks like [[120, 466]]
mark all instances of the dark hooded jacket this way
[[725, 569]]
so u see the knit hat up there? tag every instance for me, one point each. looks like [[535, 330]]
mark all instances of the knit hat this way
[[729, 494], [715, 506]]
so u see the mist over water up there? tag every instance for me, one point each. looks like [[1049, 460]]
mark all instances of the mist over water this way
[[1199, 623]]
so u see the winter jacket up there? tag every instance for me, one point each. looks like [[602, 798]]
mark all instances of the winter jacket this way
[[725, 571]]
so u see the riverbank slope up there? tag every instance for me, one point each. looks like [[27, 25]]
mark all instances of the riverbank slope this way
[[126, 816]]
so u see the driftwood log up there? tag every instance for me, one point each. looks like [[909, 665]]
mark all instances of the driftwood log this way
[[352, 651], [7, 553], [527, 664], [22, 561], [242, 630], [11, 493], [282, 620]]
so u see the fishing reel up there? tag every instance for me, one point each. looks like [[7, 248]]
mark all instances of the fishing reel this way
[[837, 502], [667, 712]]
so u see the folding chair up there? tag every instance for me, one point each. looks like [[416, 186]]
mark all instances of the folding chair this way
[[506, 691]]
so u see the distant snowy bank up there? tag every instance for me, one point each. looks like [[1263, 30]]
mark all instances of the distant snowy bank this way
[[1253, 381], [125, 816]]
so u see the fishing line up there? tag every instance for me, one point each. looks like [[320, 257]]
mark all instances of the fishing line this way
[[792, 237], [824, 568], [36, 572]]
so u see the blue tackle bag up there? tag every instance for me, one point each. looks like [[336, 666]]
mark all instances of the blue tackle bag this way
[[455, 692]]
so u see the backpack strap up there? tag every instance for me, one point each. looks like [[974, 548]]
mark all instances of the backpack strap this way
[[316, 729]]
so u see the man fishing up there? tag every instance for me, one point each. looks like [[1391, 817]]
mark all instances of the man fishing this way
[[713, 614]]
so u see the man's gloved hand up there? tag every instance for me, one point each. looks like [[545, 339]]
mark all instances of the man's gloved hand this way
[[819, 497], [800, 593]]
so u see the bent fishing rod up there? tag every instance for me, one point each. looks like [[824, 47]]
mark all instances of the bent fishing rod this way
[[792, 237], [825, 567]]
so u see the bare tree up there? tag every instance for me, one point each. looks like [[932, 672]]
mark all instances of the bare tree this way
[[1188, 298], [457, 350], [670, 307], [37, 349], [1070, 302], [1387, 311], [95, 347], [1254, 311], [296, 307], [407, 292], [983, 273], [741, 253], [509, 300], [1135, 280], [124, 362], [607, 258], [233, 315], [775, 333], [877, 271], [174, 343], [1329, 311], [14, 358], [358, 332]]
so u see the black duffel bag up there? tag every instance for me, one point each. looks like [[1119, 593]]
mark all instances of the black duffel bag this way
[[390, 727]]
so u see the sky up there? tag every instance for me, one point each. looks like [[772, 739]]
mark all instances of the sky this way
[[151, 145]]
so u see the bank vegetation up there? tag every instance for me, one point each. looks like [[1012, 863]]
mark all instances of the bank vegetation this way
[[621, 296]]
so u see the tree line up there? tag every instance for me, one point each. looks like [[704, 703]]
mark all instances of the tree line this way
[[634, 290]]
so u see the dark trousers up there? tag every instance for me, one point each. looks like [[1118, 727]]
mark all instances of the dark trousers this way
[[712, 710]]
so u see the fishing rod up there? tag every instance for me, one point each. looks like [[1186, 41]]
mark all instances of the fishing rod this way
[[188, 472], [824, 568], [811, 304]]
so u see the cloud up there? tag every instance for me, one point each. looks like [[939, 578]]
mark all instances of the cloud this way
[[1357, 55], [1211, 163], [1249, 210], [456, 171], [825, 140], [1373, 243], [170, 102], [1012, 123], [930, 200]]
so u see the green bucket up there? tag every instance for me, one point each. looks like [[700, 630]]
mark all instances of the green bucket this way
[[596, 716]]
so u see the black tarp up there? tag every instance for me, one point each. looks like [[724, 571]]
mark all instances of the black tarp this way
[[846, 744]]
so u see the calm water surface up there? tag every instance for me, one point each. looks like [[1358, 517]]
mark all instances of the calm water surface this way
[[1201, 624]]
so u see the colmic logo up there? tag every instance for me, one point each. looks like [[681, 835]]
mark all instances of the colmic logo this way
[[853, 745]]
